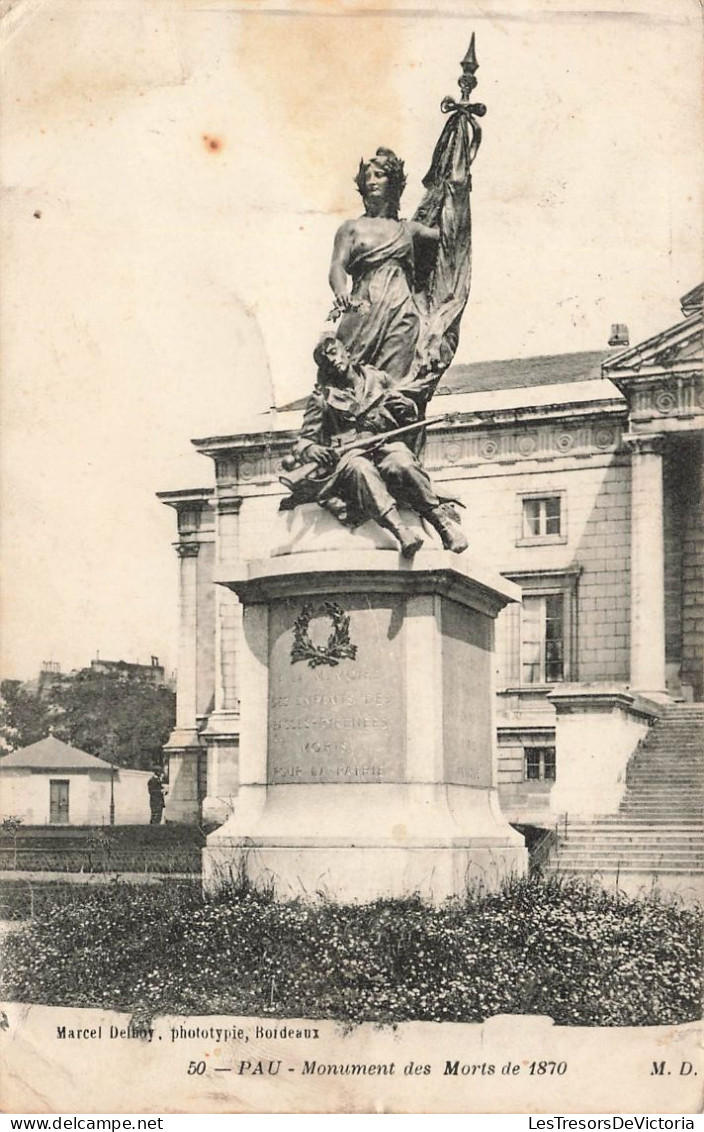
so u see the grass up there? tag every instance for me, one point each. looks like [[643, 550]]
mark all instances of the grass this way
[[550, 946]]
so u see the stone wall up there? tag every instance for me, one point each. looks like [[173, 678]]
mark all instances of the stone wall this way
[[596, 506]]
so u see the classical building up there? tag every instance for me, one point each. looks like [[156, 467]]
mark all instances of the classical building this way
[[580, 476]]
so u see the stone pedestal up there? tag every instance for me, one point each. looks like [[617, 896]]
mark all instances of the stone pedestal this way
[[183, 751], [597, 729], [222, 738], [367, 762]]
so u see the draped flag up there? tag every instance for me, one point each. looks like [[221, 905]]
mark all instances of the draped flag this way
[[443, 273]]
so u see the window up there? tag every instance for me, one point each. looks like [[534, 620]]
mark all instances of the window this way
[[543, 639], [537, 640], [541, 519], [541, 516], [540, 764]]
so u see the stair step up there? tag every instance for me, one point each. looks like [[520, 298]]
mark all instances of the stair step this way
[[624, 870], [662, 790], [661, 776], [599, 849], [651, 795], [666, 804], [657, 815], [672, 786], [686, 848], [643, 864], [634, 841], [606, 825], [661, 835], [661, 807], [647, 797], [659, 827]]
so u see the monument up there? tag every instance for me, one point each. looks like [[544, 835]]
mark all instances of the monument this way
[[367, 763]]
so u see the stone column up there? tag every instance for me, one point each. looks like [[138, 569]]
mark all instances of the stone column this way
[[183, 747], [186, 698], [222, 732], [647, 566]]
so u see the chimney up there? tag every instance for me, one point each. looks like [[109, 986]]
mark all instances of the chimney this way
[[619, 334]]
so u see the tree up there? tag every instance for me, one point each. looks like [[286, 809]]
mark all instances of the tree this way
[[124, 719], [8, 732], [24, 717]]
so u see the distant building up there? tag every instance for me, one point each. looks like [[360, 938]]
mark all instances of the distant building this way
[[52, 783], [152, 673], [50, 674]]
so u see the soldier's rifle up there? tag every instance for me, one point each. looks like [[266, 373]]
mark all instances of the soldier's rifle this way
[[297, 472]]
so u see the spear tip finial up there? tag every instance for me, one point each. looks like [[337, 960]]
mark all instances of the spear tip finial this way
[[469, 63]]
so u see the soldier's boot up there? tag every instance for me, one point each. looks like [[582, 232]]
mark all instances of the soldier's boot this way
[[409, 539], [451, 533]]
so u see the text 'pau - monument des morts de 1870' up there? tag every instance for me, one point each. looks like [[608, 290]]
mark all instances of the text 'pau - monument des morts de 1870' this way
[[366, 753]]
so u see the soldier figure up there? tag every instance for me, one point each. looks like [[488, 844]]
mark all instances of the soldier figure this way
[[355, 402]]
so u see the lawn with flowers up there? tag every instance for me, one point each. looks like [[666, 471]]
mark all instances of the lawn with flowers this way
[[549, 946]]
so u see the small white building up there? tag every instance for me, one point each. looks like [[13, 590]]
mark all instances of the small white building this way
[[52, 783]]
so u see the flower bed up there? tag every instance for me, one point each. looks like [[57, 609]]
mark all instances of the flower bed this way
[[570, 950]]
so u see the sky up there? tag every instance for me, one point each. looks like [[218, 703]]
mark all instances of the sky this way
[[173, 175]]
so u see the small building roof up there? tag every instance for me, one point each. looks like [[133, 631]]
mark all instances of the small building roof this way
[[52, 754]]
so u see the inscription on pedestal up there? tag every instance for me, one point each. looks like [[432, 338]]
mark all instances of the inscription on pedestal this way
[[342, 722]]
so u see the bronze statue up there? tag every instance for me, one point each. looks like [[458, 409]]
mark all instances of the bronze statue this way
[[380, 319], [398, 329]]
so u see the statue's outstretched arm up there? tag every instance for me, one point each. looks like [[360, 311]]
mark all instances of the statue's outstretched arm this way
[[423, 231]]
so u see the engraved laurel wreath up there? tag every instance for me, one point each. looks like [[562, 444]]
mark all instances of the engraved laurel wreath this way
[[338, 646]]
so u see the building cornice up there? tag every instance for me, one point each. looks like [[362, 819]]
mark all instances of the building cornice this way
[[668, 402], [237, 444], [187, 497], [501, 437], [569, 699]]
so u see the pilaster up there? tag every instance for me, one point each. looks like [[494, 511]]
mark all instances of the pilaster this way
[[184, 748]]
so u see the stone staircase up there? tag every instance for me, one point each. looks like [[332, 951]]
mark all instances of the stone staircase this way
[[658, 833]]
